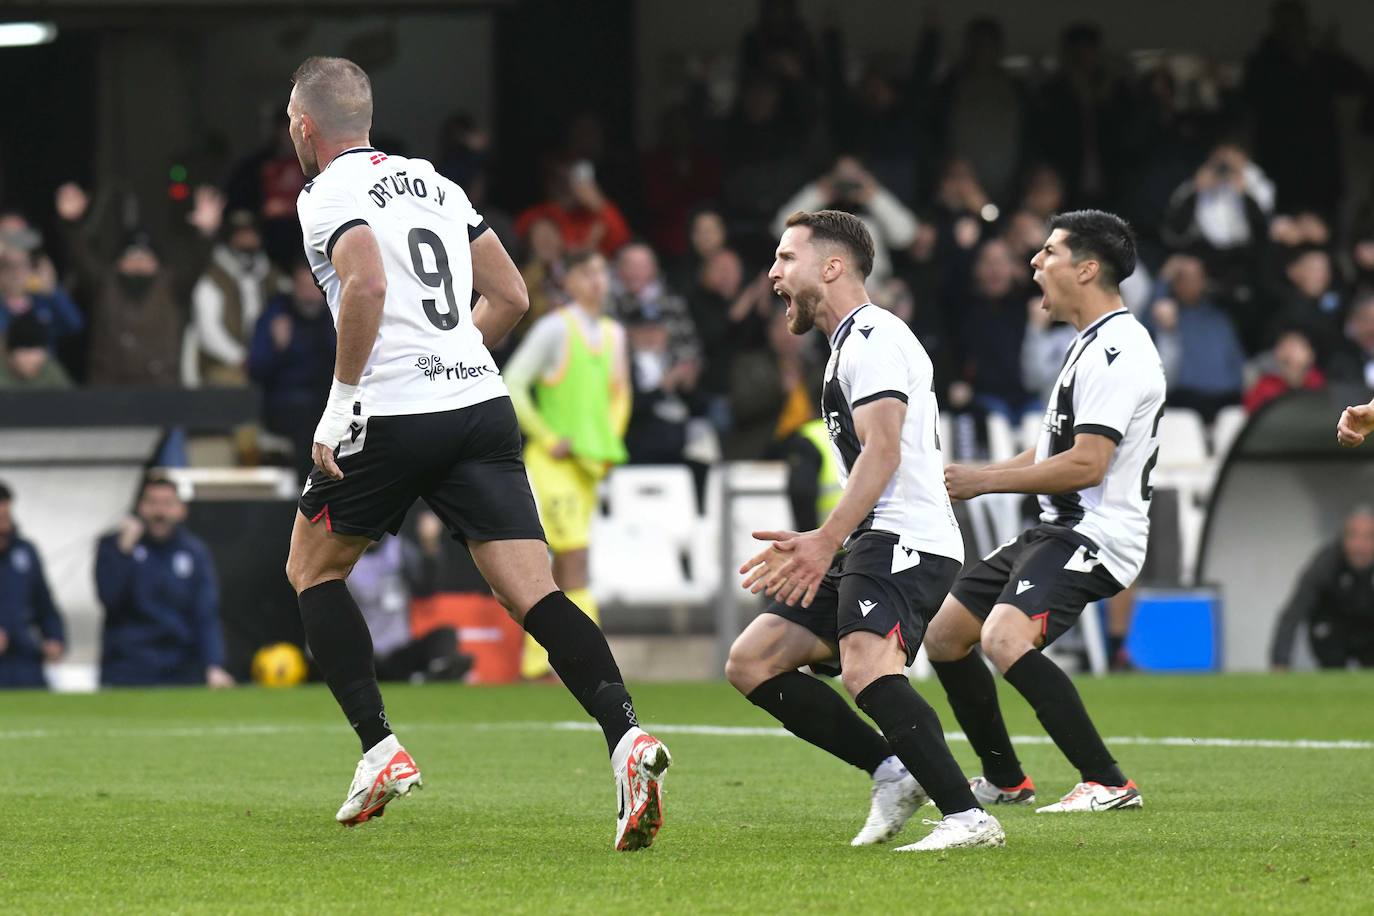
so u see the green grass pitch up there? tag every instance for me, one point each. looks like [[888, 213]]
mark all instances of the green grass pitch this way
[[190, 801]]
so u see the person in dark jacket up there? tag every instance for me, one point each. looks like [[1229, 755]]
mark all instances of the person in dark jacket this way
[[292, 358], [31, 631], [1335, 598], [161, 597]]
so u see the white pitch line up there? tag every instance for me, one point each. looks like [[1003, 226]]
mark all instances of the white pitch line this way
[[745, 730], [727, 731]]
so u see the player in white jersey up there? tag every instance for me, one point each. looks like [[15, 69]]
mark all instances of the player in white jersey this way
[[419, 411], [854, 596], [1091, 468]]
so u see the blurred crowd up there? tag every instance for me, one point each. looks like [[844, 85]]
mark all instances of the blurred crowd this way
[[1256, 275]]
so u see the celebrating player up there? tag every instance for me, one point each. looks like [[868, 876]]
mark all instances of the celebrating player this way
[[418, 410], [865, 606], [1356, 423], [1091, 468]]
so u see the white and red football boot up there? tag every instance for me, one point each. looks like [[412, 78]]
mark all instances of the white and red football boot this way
[[1093, 796], [385, 772], [639, 762], [988, 793]]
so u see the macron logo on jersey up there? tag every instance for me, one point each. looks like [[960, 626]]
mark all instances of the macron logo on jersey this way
[[1112, 354], [865, 332]]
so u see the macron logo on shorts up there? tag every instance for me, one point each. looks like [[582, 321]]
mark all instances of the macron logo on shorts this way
[[904, 558], [866, 607], [1024, 585]]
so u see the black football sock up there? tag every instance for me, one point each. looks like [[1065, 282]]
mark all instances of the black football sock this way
[[342, 646], [579, 655], [1114, 645], [972, 693], [815, 713], [1060, 710], [913, 730]]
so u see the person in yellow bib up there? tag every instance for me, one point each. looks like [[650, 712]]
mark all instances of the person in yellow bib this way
[[569, 381]]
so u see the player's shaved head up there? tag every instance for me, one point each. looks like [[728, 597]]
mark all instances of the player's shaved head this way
[[336, 94]]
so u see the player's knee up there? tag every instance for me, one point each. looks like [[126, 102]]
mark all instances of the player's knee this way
[[1004, 645], [744, 671]]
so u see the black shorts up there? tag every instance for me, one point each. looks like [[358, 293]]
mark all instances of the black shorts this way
[[1049, 573], [861, 592], [465, 464]]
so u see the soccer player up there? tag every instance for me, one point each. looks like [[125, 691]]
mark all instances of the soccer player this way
[[1356, 423], [1091, 469], [574, 360], [418, 410], [859, 589]]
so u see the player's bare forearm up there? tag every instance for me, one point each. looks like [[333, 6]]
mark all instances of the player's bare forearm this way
[[362, 293], [867, 480], [1080, 467], [1023, 460], [504, 298]]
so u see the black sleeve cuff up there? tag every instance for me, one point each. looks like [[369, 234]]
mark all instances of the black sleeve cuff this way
[[1097, 430], [878, 396], [338, 233], [475, 231]]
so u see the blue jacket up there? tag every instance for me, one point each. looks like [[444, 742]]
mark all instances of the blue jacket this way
[[56, 310], [303, 371], [161, 611], [27, 615]]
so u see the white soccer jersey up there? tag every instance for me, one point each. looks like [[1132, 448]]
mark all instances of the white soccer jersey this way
[[1112, 384], [428, 356], [874, 355]]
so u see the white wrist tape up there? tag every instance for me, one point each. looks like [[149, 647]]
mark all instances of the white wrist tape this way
[[338, 414]]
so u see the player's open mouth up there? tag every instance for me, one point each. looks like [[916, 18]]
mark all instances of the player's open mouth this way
[[784, 295]]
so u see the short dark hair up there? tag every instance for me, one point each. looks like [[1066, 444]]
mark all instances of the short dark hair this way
[[579, 256], [1105, 237], [6, 494], [154, 480], [842, 228]]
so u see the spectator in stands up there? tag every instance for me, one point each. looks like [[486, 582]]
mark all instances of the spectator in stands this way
[[464, 152], [1295, 368], [679, 174], [1203, 358], [225, 305], [1334, 597], [770, 390], [706, 234], [1353, 360], [386, 577], [1082, 118], [1043, 349], [267, 184], [1164, 147], [964, 217], [28, 363], [991, 331], [730, 318], [769, 146], [58, 315], [292, 358], [850, 187], [157, 583], [138, 304], [1292, 85], [31, 630], [640, 290], [982, 109], [663, 392], [1311, 299], [1222, 211], [543, 274], [585, 216], [780, 47], [1043, 195]]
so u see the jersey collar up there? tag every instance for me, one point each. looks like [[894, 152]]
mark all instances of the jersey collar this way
[[1103, 320], [843, 327], [355, 149]]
